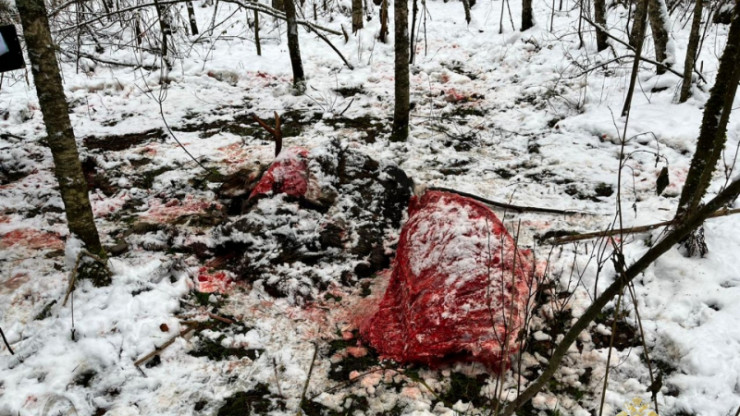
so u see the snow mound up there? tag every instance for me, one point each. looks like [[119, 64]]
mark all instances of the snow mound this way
[[459, 288]]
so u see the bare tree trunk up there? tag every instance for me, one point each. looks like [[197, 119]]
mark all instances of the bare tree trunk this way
[[356, 15], [257, 32], [527, 18], [717, 110], [658, 14], [414, 12], [293, 47], [466, 7], [639, 22], [280, 5], [191, 18], [639, 40], [691, 52], [166, 29], [383, 36], [60, 136], [600, 17], [402, 85]]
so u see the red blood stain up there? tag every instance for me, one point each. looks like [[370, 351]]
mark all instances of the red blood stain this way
[[32, 239], [288, 174]]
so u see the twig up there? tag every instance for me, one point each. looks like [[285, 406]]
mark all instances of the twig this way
[[277, 377], [630, 47], [308, 379], [515, 208], [7, 344], [161, 348], [681, 230], [73, 273], [276, 132], [631, 230]]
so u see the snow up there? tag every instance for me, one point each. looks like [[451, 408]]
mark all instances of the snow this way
[[509, 116]]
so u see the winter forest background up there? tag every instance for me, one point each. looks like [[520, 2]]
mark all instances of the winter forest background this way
[[147, 268]]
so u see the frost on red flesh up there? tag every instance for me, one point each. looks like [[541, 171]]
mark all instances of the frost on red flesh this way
[[288, 174], [458, 289], [210, 282]]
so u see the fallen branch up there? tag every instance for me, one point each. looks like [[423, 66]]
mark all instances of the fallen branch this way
[[515, 208], [619, 231], [161, 348], [621, 280]]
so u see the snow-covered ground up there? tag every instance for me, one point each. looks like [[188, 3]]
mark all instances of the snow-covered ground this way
[[512, 116]]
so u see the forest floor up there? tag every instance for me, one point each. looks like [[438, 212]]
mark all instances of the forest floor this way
[[528, 118]]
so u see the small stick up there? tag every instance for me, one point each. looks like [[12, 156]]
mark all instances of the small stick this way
[[308, 379], [6, 342], [274, 365], [630, 230], [73, 273], [161, 348], [515, 208], [276, 132]]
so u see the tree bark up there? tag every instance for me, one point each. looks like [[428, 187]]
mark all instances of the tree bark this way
[[383, 36], [639, 22], [691, 52], [166, 29], [402, 85], [658, 14], [639, 41], [527, 18], [60, 136], [414, 12], [257, 42], [600, 18], [356, 15], [466, 7], [712, 135], [191, 18], [293, 47]]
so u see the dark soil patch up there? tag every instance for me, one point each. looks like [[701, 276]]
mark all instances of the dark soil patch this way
[[351, 405], [214, 350], [258, 401], [122, 142], [243, 124], [347, 92], [340, 371], [466, 389], [372, 127], [627, 336]]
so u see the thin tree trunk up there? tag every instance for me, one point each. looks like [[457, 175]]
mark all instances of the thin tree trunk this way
[[639, 22], [466, 7], [527, 18], [60, 136], [293, 47], [402, 85], [414, 12], [658, 14], [383, 36], [166, 29], [257, 32], [600, 18], [639, 40], [691, 51], [620, 282], [356, 15], [713, 131], [191, 18]]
